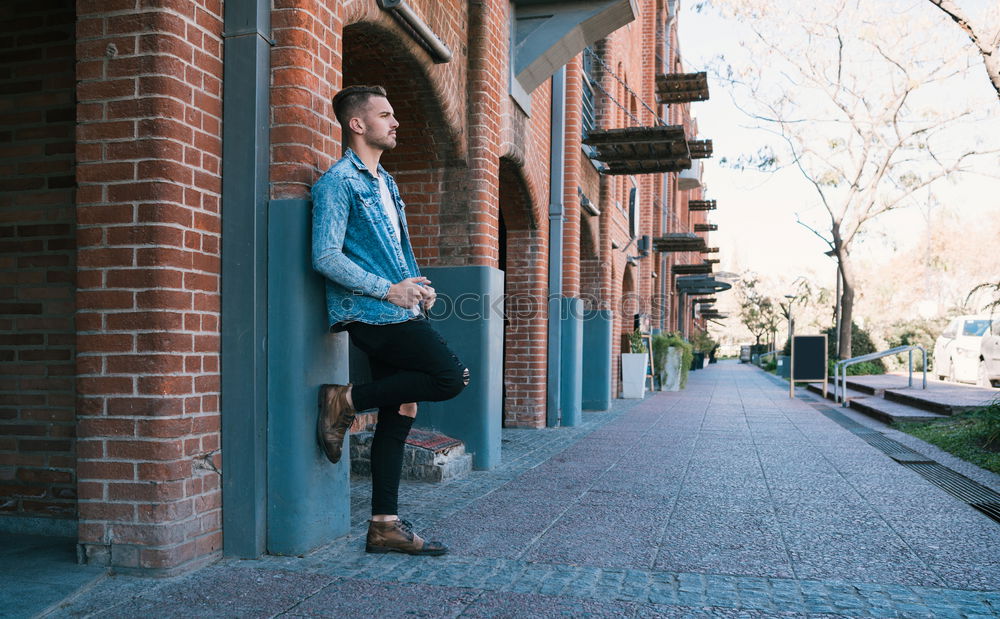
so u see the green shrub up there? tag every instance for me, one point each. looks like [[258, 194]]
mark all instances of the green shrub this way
[[701, 341], [865, 368], [771, 364], [989, 419], [973, 435], [663, 341], [861, 344], [635, 342], [920, 332]]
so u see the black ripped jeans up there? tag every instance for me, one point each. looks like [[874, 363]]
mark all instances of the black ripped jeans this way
[[410, 362]]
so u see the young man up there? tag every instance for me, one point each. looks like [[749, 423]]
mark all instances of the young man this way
[[375, 292]]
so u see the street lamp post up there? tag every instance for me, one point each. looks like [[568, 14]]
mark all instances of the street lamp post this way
[[791, 321]]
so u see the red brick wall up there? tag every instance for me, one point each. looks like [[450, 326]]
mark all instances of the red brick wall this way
[[149, 155], [37, 260]]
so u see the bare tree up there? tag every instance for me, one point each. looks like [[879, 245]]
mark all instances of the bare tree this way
[[855, 100], [986, 43]]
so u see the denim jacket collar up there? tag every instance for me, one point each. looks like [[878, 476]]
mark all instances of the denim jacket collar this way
[[360, 165]]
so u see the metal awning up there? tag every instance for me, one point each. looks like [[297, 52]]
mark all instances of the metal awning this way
[[700, 149], [549, 33], [710, 250], [700, 285], [706, 227], [691, 269], [640, 150], [712, 260], [682, 87], [701, 205], [678, 242]]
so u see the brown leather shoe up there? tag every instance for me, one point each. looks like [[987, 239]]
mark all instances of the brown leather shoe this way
[[398, 536], [334, 419]]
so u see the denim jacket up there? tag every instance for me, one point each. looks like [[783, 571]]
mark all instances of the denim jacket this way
[[355, 247]]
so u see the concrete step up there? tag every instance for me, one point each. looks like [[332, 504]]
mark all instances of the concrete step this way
[[817, 388], [864, 387], [943, 402], [428, 456], [888, 411]]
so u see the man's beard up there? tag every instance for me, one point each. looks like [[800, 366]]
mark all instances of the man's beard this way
[[386, 143]]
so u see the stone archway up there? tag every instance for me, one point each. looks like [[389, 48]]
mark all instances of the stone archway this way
[[523, 261], [427, 162]]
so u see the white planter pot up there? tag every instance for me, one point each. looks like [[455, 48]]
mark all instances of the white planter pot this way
[[672, 382], [634, 375]]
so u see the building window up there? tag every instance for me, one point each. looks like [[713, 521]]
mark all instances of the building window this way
[[589, 111], [633, 209]]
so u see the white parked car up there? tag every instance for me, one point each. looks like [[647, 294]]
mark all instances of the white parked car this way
[[956, 351], [988, 374]]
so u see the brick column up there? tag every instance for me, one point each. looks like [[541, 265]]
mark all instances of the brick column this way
[[488, 23], [571, 197], [149, 155], [305, 74]]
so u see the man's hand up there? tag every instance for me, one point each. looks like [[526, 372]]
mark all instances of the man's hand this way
[[408, 410], [430, 295], [409, 292]]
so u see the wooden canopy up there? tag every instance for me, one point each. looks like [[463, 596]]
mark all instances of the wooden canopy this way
[[640, 150], [701, 205], [678, 242], [692, 269], [700, 149], [714, 315], [682, 87]]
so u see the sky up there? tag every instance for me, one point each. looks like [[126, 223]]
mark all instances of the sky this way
[[757, 211]]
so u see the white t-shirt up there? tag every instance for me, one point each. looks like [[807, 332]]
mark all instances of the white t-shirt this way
[[388, 206], [390, 211]]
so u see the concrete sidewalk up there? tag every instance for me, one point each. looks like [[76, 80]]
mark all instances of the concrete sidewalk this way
[[726, 499]]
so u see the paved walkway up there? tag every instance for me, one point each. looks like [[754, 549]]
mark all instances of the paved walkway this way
[[727, 499]]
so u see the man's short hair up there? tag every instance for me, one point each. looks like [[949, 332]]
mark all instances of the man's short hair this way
[[351, 100]]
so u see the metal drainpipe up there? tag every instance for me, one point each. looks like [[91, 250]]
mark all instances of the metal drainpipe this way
[[557, 168], [245, 184], [435, 46]]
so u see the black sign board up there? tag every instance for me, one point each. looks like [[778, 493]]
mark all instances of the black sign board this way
[[808, 361]]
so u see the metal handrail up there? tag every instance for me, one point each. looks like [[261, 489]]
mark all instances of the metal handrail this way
[[840, 369]]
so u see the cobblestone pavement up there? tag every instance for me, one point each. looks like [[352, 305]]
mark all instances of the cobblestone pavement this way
[[727, 499]]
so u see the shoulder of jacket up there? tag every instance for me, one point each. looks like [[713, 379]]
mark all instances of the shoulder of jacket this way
[[338, 173]]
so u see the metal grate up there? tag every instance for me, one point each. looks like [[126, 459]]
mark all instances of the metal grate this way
[[959, 486]]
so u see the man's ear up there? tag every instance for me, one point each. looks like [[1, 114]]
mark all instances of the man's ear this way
[[356, 125]]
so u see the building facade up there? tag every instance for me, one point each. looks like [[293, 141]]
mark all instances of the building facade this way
[[162, 333]]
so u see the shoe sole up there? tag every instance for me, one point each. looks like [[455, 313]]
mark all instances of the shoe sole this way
[[334, 458], [385, 550]]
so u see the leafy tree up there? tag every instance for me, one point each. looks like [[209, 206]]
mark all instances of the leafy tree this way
[[757, 311]]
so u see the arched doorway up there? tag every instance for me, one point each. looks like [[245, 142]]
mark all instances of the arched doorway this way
[[524, 302], [425, 159]]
